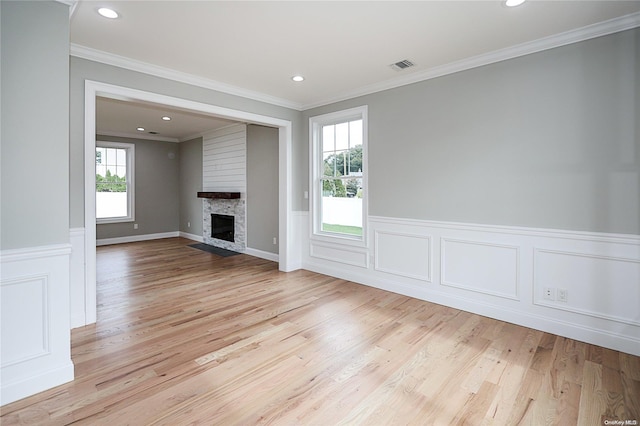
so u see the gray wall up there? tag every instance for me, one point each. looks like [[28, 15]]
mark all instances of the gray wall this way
[[81, 70], [190, 184], [166, 189], [156, 190], [548, 140], [35, 124], [262, 188]]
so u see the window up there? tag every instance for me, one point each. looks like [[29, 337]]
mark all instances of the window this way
[[339, 171], [114, 182]]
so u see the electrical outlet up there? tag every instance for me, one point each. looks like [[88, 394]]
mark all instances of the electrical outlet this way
[[275, 240], [562, 295], [188, 224], [135, 226], [549, 293]]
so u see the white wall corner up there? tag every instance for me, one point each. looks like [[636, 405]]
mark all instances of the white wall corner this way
[[77, 293], [298, 229]]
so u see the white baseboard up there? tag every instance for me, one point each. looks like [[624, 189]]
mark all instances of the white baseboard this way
[[136, 238], [36, 382], [192, 237], [501, 272], [262, 254]]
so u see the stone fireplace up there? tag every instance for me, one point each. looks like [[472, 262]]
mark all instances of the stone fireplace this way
[[227, 204]]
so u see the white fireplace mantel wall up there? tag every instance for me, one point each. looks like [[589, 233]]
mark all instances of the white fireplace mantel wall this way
[[224, 160], [224, 169]]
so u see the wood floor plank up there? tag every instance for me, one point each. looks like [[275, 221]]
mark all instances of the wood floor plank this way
[[189, 337]]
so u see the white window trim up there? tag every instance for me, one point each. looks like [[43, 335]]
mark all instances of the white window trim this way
[[315, 161], [131, 161]]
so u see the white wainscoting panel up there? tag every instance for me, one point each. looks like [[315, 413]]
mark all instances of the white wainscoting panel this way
[[25, 326], [499, 272], [413, 260], [36, 340], [480, 266], [342, 254], [600, 286]]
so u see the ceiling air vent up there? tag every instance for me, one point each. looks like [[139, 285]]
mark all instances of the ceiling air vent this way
[[399, 66]]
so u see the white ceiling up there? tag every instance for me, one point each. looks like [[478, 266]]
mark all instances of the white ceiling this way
[[122, 118], [342, 48]]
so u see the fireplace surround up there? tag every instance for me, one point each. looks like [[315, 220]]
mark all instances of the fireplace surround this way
[[226, 206]]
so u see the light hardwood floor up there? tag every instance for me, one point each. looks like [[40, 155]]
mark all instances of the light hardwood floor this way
[[186, 337]]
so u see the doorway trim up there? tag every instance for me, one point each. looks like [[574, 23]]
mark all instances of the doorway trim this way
[[286, 232]]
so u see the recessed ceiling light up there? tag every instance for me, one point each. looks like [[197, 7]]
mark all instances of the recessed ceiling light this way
[[141, 129], [166, 118], [297, 78], [108, 13], [513, 3]]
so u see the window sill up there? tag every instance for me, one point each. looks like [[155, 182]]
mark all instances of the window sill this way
[[340, 239], [114, 220]]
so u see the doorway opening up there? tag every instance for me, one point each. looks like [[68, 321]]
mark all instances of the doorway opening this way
[[95, 89]]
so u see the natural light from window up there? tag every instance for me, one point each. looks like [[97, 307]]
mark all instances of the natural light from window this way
[[339, 174], [342, 179], [114, 197]]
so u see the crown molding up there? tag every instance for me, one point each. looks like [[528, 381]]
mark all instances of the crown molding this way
[[95, 55], [138, 136], [600, 29]]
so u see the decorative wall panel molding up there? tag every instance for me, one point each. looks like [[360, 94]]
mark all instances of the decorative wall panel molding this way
[[596, 285], [413, 261], [500, 272], [480, 266], [34, 300], [341, 254], [25, 326]]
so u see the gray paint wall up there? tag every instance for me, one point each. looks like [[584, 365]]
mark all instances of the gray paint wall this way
[[166, 189], [190, 184], [157, 181], [35, 122], [82, 69], [262, 188], [548, 140]]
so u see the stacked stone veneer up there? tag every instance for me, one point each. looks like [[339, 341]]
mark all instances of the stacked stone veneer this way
[[235, 208]]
